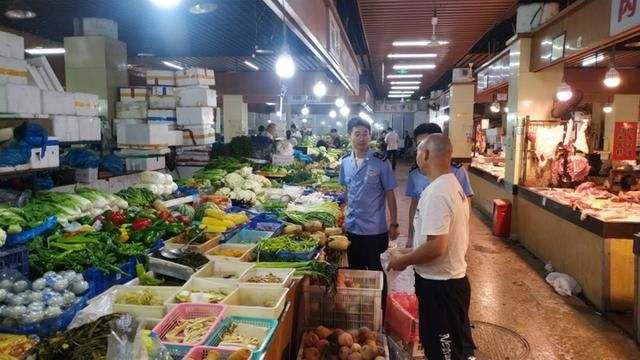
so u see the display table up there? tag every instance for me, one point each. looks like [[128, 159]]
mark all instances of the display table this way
[[596, 253], [486, 187], [281, 344]]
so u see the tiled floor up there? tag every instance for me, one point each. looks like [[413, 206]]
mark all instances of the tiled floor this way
[[508, 289]]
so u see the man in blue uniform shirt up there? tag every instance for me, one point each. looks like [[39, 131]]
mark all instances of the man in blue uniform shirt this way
[[369, 181]]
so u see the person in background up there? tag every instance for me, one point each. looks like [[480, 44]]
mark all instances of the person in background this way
[[382, 146], [392, 139], [270, 132], [334, 143], [295, 132], [408, 143], [291, 139], [260, 130], [416, 184], [441, 243], [370, 184]]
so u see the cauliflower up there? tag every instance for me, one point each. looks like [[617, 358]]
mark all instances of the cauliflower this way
[[233, 181], [223, 191], [3, 237], [252, 186], [245, 172], [243, 195], [263, 181]]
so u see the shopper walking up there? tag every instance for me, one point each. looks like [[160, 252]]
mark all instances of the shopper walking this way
[[440, 246], [270, 132], [295, 132], [392, 139], [369, 184], [408, 143]]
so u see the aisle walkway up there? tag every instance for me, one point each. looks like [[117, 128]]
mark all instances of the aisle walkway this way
[[508, 289]]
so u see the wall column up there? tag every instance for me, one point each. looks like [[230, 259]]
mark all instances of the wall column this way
[[461, 118], [235, 117]]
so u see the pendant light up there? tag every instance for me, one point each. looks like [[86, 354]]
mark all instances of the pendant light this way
[[285, 67], [607, 108], [564, 92], [19, 10], [320, 89], [305, 110], [612, 78]]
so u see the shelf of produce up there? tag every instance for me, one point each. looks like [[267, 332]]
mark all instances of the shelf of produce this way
[[179, 201], [23, 116], [16, 174]]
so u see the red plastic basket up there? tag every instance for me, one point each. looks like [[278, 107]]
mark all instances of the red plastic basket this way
[[400, 322], [189, 311], [201, 352]]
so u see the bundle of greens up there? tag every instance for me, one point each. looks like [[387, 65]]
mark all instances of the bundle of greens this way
[[215, 177], [14, 220], [65, 206], [137, 196], [228, 164], [293, 243], [327, 213], [240, 147], [321, 271], [298, 177]]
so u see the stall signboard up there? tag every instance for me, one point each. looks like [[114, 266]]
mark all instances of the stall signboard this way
[[625, 14], [625, 136], [396, 107]]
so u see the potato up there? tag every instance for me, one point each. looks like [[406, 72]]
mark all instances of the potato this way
[[333, 231], [356, 347], [322, 238], [338, 242], [292, 229], [313, 226]]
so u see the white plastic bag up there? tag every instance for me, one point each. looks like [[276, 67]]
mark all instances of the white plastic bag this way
[[563, 284], [101, 307], [400, 281]]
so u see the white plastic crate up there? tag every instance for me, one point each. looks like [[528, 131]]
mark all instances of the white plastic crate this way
[[247, 252], [250, 301], [285, 274], [147, 311], [282, 160], [220, 270], [201, 284]]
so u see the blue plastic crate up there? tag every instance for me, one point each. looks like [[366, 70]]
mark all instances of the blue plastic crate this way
[[49, 327], [266, 216], [246, 236], [30, 234], [15, 258], [178, 352], [273, 226], [99, 282], [271, 324], [236, 209], [286, 256]]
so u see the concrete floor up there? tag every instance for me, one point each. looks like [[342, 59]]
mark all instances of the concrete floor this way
[[508, 289]]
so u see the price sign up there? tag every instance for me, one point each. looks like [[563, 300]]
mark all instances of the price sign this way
[[624, 141]]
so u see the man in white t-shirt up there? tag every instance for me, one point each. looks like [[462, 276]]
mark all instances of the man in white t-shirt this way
[[392, 139], [440, 245]]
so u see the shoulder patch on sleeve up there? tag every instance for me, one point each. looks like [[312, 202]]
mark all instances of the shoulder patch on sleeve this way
[[346, 155], [456, 165], [381, 156]]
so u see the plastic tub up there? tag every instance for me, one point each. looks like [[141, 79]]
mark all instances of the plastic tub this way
[[15, 258], [399, 322], [200, 284], [285, 274], [189, 311], [228, 272], [178, 241], [273, 226], [245, 251], [146, 311], [246, 236], [270, 325], [249, 301], [201, 352]]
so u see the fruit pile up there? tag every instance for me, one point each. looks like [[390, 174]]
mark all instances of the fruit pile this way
[[324, 343]]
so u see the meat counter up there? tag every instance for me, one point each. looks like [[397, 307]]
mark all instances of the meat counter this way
[[597, 252], [487, 183]]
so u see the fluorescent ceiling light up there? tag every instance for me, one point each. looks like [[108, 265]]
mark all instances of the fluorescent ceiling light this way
[[19, 10], [405, 83], [203, 8], [144, 54], [443, 42], [270, 104], [251, 65], [412, 56], [305, 111], [401, 92], [412, 43], [592, 60], [404, 76], [364, 116], [172, 65], [45, 51], [304, 120], [166, 3], [398, 95], [413, 66], [405, 87]]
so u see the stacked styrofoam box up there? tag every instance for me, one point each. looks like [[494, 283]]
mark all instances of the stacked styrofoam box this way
[[196, 105], [15, 95], [131, 109], [144, 136]]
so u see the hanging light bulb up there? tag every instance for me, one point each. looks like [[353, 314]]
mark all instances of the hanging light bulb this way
[[564, 92], [333, 114], [305, 111], [612, 78], [495, 107], [345, 111], [285, 67], [339, 102], [607, 108], [319, 89]]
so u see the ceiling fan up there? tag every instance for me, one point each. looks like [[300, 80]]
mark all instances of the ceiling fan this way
[[434, 42]]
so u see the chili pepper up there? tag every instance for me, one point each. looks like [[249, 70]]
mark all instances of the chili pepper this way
[[116, 217], [141, 223], [124, 235], [184, 219]]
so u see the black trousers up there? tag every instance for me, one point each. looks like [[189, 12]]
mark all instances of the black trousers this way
[[364, 254], [443, 308], [393, 155]]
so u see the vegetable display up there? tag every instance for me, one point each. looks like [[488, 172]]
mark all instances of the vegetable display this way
[[217, 221], [158, 183], [293, 243], [142, 297], [327, 213], [243, 186], [324, 343], [189, 331], [321, 271], [140, 197]]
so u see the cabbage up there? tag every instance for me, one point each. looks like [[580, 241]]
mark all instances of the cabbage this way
[[168, 179], [152, 177]]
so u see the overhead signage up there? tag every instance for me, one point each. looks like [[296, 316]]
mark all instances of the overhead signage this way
[[396, 107], [625, 136], [625, 14]]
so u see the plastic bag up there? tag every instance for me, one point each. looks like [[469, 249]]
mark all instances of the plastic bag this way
[[81, 159], [112, 164], [123, 335], [400, 281], [17, 153], [563, 284], [93, 311]]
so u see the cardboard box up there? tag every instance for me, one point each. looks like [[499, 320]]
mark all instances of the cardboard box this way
[[196, 96], [90, 128], [118, 122], [50, 157], [20, 99], [87, 176], [143, 164], [143, 135], [133, 110], [163, 97], [167, 117], [100, 27], [58, 103], [175, 138], [11, 46], [196, 116], [161, 77], [133, 94], [63, 127], [195, 76], [13, 71], [203, 135], [86, 104]]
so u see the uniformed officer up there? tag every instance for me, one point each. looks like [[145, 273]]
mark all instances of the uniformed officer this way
[[369, 181]]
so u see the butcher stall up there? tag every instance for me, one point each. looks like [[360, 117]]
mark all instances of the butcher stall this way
[[567, 216], [487, 169]]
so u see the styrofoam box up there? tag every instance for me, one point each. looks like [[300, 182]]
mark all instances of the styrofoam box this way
[[58, 103], [117, 122], [20, 99], [195, 116], [175, 138], [11, 46], [131, 110], [195, 76], [248, 301], [13, 71], [201, 284], [87, 176], [164, 294], [100, 27], [133, 94], [203, 135], [162, 97], [143, 134], [86, 104], [161, 117], [227, 272], [285, 274], [196, 96], [51, 156], [143, 164], [65, 128], [90, 128], [161, 77]]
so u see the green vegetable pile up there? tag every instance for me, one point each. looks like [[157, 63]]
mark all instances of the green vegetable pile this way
[[200, 184], [228, 164], [137, 196], [240, 147], [292, 242], [214, 176], [327, 213], [322, 271], [14, 220], [298, 177]]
